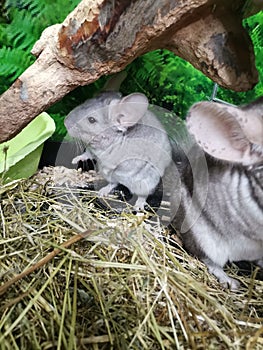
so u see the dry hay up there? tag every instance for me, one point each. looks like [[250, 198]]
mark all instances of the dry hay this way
[[121, 286]]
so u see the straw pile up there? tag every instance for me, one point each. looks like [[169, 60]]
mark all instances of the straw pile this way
[[108, 280]]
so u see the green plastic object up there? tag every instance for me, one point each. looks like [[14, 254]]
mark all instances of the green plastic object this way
[[19, 157]]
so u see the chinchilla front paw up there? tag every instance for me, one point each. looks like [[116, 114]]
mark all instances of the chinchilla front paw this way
[[82, 157], [140, 203], [106, 190]]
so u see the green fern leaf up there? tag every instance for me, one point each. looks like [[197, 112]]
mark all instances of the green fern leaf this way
[[13, 62]]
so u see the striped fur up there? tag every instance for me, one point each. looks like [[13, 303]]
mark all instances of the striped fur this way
[[220, 215]]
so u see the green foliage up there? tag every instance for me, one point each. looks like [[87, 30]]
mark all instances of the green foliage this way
[[12, 65]]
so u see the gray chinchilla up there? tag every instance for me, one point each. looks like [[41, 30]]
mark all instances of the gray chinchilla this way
[[218, 205], [127, 140]]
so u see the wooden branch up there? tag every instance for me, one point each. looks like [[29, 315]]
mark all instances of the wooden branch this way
[[101, 37], [214, 44]]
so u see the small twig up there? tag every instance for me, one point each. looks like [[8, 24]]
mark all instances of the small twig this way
[[44, 260]]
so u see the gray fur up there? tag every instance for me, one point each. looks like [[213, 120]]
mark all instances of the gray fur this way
[[127, 140], [220, 210]]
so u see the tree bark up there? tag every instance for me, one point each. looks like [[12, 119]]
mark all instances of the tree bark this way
[[101, 37]]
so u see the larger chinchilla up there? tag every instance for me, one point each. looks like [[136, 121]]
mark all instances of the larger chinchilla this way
[[218, 204]]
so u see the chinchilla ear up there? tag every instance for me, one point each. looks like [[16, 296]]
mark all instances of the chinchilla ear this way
[[129, 110], [217, 130], [251, 121]]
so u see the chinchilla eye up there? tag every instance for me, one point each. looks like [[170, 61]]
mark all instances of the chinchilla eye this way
[[92, 120]]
